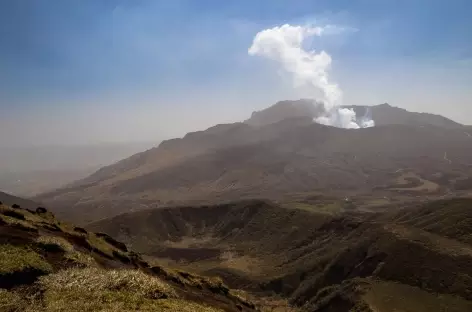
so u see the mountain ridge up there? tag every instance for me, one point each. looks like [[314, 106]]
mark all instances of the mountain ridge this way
[[240, 160]]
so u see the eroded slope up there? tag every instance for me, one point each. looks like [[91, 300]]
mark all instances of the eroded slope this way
[[319, 261]]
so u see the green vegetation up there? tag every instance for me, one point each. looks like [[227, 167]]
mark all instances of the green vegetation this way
[[59, 269], [55, 243], [100, 244], [17, 223], [15, 259]]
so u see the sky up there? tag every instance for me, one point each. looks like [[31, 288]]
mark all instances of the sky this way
[[92, 71]]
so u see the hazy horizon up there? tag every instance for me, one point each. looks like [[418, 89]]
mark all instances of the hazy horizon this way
[[143, 71]]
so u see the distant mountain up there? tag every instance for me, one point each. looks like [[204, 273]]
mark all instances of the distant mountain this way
[[8, 199], [383, 114], [285, 109], [66, 157], [293, 155], [30, 183], [30, 170]]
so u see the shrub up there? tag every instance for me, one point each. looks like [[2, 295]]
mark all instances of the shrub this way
[[15, 206], [41, 210], [120, 256], [51, 227], [80, 230], [110, 240]]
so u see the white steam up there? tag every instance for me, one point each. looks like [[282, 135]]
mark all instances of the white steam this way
[[284, 44]]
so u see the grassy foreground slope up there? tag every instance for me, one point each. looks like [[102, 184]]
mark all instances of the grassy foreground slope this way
[[47, 265]]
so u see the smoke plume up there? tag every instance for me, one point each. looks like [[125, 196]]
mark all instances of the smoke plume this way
[[284, 45]]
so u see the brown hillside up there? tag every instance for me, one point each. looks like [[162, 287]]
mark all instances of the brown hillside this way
[[47, 265], [285, 110], [385, 114], [368, 262], [295, 155], [8, 199]]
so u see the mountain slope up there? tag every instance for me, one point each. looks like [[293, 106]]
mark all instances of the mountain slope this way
[[384, 114], [278, 152], [8, 199], [48, 265], [368, 262], [291, 156], [285, 110]]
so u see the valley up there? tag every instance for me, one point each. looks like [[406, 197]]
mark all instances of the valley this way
[[318, 261]]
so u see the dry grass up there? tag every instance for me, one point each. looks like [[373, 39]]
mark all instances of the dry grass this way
[[115, 301], [14, 259], [72, 255], [18, 223], [10, 301], [24, 214], [98, 280], [93, 289], [101, 244], [55, 241]]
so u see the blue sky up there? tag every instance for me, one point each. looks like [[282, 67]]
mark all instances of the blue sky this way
[[100, 70]]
